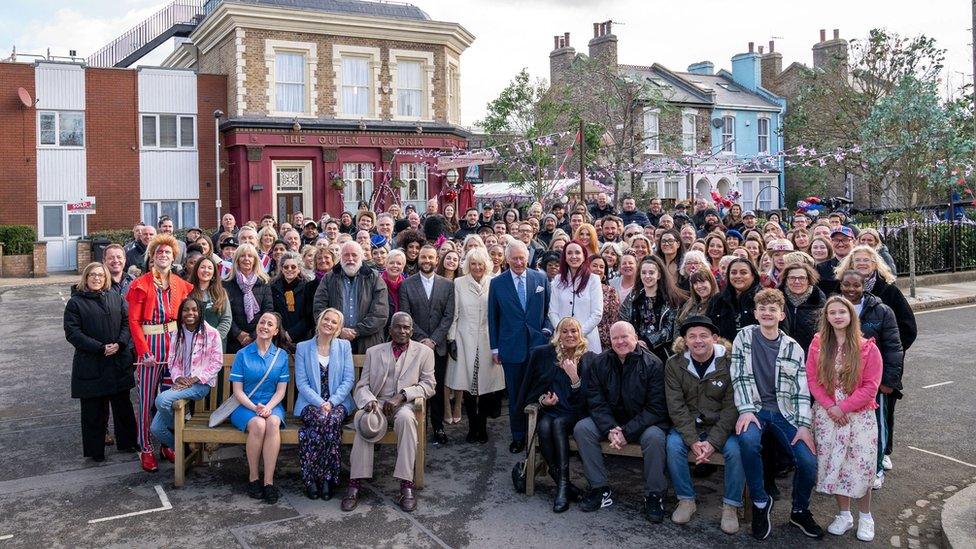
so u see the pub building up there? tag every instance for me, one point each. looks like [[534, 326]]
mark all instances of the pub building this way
[[331, 103]]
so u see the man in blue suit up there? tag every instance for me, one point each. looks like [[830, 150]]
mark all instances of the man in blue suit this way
[[518, 320]]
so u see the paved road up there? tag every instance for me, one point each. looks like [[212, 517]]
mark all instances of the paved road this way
[[48, 493]]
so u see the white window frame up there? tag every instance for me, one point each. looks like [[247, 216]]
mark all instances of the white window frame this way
[[652, 137], [306, 167], [178, 220], [373, 103], [748, 190], [351, 174], [179, 133], [768, 195], [728, 137], [414, 173], [308, 49], [668, 184], [426, 60], [453, 92], [57, 129], [689, 137], [760, 135]]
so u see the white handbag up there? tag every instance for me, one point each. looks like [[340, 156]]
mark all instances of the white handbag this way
[[228, 406]]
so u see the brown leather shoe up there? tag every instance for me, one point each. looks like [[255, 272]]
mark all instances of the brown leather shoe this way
[[407, 501], [350, 500]]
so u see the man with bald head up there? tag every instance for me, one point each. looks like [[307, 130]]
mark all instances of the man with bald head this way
[[359, 293], [628, 405]]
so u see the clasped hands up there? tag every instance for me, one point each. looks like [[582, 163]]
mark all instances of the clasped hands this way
[[617, 438], [389, 406]]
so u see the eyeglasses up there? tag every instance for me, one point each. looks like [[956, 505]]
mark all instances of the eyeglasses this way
[[96, 275], [289, 267], [668, 241], [797, 278]]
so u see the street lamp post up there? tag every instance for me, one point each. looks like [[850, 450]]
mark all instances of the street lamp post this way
[[217, 114]]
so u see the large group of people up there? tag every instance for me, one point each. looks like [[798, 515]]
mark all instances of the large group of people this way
[[691, 333]]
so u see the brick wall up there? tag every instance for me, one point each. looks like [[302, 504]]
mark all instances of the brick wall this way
[[112, 147], [83, 254], [40, 260], [221, 60], [211, 95], [256, 71], [18, 144]]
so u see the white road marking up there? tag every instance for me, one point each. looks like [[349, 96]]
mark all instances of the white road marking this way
[[162, 499], [937, 384], [5, 538], [946, 309], [943, 457]]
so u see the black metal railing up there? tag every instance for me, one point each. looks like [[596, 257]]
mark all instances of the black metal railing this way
[[945, 240], [178, 12]]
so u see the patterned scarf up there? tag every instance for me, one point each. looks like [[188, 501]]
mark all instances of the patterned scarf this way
[[869, 282], [799, 299], [247, 288]]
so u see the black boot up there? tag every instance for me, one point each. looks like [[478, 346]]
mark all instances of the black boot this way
[[561, 502]]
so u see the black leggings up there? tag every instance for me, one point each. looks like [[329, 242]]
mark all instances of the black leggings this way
[[554, 433]]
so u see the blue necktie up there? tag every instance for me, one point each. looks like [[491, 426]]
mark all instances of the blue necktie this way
[[521, 290]]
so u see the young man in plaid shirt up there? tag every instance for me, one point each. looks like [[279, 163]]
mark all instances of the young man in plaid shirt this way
[[770, 390]]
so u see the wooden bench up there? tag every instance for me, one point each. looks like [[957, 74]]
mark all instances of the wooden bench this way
[[196, 432], [631, 450]]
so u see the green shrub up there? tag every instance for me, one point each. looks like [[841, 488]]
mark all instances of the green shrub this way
[[18, 239], [115, 236]]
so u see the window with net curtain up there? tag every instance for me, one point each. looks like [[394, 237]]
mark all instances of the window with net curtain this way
[[355, 86], [409, 89], [289, 82]]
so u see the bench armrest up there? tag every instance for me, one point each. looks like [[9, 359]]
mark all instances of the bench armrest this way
[[420, 405], [532, 409]]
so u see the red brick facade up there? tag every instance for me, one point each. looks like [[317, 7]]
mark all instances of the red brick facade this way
[[18, 148], [211, 95], [112, 146]]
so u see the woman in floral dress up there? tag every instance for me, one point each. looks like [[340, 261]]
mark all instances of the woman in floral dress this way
[[844, 372]]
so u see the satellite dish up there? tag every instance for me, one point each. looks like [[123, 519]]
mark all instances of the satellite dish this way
[[25, 97], [718, 122]]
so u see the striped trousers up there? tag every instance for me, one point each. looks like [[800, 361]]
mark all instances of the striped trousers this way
[[147, 380]]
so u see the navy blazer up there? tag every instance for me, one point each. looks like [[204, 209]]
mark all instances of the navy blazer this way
[[513, 331], [308, 377]]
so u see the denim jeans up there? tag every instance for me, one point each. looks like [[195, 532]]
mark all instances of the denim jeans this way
[[750, 443], [162, 422], [680, 470]]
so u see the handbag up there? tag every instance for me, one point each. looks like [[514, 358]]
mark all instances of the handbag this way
[[518, 470], [228, 406]]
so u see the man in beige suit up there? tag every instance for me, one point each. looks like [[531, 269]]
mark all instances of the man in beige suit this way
[[394, 374]]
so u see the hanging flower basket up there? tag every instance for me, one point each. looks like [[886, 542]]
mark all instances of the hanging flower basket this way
[[450, 194], [338, 183], [398, 183]]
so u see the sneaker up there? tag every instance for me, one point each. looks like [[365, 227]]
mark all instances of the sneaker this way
[[886, 463], [841, 525], [730, 519], [684, 511], [878, 481], [271, 494], [865, 529], [255, 490], [597, 498], [761, 527], [804, 521], [654, 508]]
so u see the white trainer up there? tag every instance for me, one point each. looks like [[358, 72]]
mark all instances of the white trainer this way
[[878, 480], [865, 529], [841, 525], [886, 463]]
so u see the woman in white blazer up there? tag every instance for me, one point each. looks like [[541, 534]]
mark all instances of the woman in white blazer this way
[[324, 377], [470, 368], [577, 293]]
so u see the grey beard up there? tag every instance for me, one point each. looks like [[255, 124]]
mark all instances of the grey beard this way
[[352, 270]]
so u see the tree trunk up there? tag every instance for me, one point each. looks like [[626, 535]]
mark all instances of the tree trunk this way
[[911, 256]]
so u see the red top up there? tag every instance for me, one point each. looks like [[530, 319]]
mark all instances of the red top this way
[[142, 303], [863, 396]]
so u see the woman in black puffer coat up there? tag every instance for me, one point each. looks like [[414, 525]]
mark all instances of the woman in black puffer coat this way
[[732, 309], [804, 299], [879, 321], [96, 324]]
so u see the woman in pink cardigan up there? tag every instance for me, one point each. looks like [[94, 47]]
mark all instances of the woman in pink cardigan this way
[[195, 359], [843, 372]]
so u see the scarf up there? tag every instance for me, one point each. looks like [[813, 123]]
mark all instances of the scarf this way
[[247, 288], [799, 299], [158, 275], [319, 274], [870, 281], [393, 288]]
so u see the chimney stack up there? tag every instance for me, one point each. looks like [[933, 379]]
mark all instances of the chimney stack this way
[[823, 35], [772, 46], [752, 47], [560, 58], [772, 66], [603, 45], [831, 55]]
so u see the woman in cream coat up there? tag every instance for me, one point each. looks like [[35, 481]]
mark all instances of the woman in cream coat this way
[[471, 369], [578, 293]]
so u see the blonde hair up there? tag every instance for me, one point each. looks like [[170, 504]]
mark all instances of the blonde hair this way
[[247, 249], [342, 321], [847, 264], [580, 349], [82, 285], [266, 231], [849, 373], [477, 254]]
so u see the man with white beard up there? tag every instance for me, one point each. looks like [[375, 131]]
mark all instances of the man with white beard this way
[[359, 293]]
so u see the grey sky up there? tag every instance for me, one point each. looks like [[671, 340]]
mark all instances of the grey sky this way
[[512, 34]]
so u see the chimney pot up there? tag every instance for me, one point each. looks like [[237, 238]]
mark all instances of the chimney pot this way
[[836, 34], [596, 30], [555, 42], [752, 47], [760, 50], [609, 25], [566, 40], [823, 35], [772, 46]]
